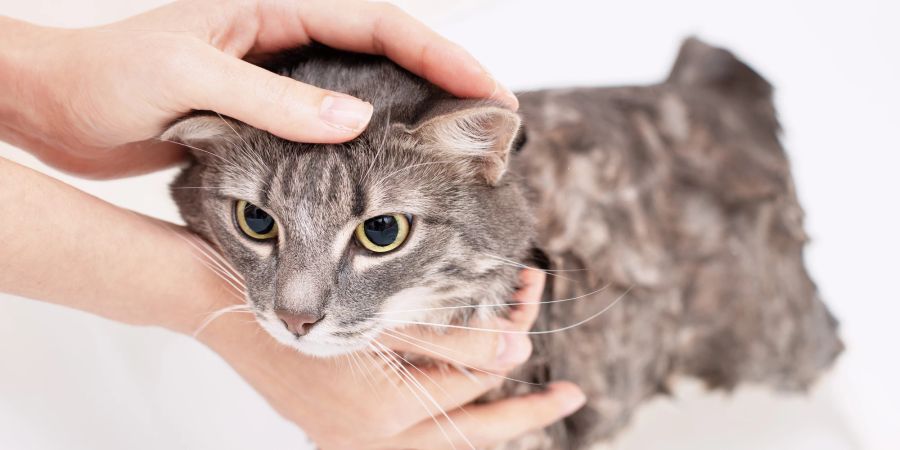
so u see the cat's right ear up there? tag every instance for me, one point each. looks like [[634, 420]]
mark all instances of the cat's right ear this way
[[201, 135]]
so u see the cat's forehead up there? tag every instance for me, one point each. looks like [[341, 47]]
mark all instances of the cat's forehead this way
[[370, 175]]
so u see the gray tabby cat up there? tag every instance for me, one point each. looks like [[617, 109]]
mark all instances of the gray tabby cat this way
[[669, 207]]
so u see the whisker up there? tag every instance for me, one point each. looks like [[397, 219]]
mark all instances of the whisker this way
[[218, 266], [195, 148], [491, 330], [495, 305], [216, 258], [221, 261], [219, 313], [411, 390], [357, 361], [531, 267], [224, 272], [441, 388], [427, 395], [549, 273], [381, 367], [400, 335]]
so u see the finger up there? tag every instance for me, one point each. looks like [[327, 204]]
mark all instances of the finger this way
[[489, 424], [277, 104], [430, 389], [379, 28], [528, 297], [474, 347]]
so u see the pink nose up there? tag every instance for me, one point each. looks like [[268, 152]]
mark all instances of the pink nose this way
[[298, 323]]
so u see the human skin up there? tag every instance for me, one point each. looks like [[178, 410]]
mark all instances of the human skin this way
[[96, 98], [100, 95]]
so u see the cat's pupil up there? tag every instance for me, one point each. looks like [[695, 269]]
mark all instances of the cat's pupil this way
[[382, 230], [258, 220]]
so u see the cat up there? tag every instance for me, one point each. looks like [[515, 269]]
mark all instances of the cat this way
[[668, 208]]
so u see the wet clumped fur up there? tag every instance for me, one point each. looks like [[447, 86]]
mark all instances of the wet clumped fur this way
[[669, 207]]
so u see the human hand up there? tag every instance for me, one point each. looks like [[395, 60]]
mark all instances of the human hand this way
[[377, 400], [97, 97]]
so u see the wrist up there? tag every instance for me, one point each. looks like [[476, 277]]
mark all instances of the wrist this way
[[25, 94], [118, 264]]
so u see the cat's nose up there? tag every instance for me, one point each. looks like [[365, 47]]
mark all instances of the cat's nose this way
[[298, 323]]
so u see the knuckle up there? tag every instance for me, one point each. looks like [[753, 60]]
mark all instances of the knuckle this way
[[529, 345], [282, 101], [276, 88], [495, 349], [387, 9], [384, 420], [179, 61], [390, 426], [180, 54], [495, 381]]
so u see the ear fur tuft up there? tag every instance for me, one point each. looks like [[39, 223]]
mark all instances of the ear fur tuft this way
[[196, 129], [483, 136]]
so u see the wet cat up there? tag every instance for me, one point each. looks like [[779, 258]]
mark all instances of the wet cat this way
[[668, 207]]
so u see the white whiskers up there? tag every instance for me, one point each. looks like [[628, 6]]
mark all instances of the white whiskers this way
[[402, 337], [549, 273], [491, 330], [219, 313], [495, 305], [406, 375]]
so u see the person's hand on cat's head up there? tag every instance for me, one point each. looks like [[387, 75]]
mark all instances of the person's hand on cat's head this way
[[99, 96]]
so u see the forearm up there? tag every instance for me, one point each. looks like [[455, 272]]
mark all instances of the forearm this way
[[61, 245]]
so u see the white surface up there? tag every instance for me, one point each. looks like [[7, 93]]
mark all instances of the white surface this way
[[72, 381]]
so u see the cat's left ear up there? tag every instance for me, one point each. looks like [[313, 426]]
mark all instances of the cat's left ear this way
[[481, 137]]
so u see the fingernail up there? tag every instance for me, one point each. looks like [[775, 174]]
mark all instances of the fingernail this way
[[572, 403], [502, 93], [345, 113], [513, 349], [507, 97]]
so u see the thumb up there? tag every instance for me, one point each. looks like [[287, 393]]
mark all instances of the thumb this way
[[280, 105]]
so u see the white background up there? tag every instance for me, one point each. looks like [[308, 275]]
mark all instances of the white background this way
[[72, 381]]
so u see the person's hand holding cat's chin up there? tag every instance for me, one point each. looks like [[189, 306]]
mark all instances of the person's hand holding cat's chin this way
[[98, 96], [368, 404]]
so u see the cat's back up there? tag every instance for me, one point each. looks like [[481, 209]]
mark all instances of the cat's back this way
[[703, 140], [673, 203]]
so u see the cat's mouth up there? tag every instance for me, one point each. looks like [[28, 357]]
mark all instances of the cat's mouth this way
[[324, 340]]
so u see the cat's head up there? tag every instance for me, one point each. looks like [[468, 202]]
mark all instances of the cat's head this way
[[336, 242]]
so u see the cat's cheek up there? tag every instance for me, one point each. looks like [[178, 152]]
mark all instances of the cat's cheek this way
[[407, 305]]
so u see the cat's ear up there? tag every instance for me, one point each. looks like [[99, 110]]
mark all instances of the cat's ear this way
[[701, 65], [200, 134], [480, 137]]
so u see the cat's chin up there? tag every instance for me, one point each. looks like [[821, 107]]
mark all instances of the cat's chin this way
[[312, 348]]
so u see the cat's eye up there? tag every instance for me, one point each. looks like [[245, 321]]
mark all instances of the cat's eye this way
[[382, 234], [254, 221]]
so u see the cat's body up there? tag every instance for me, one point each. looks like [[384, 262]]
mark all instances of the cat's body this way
[[675, 199]]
